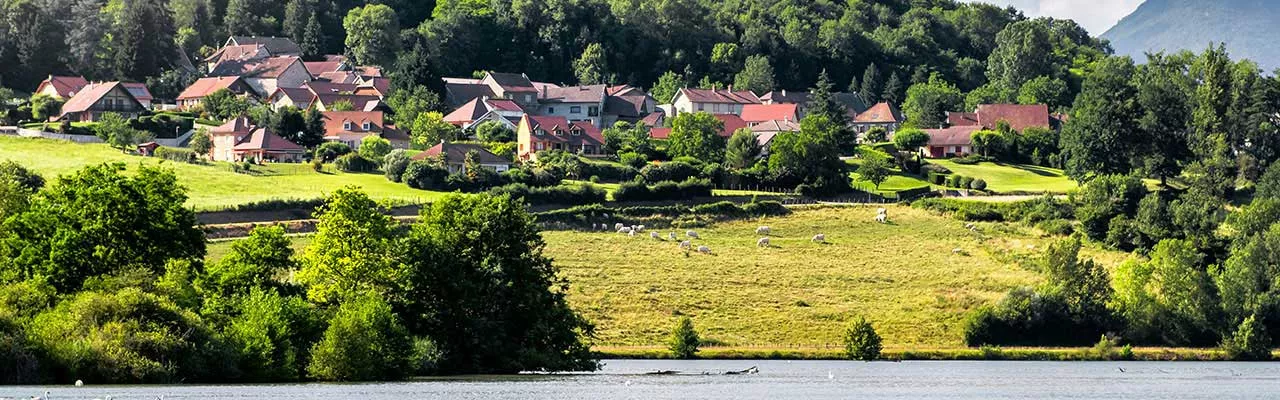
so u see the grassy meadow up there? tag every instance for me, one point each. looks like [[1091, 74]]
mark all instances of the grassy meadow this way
[[210, 186], [1003, 178], [795, 295]]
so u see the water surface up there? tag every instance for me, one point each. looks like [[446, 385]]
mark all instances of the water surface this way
[[626, 379]]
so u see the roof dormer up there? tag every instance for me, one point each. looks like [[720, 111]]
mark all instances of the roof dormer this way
[[346, 125]]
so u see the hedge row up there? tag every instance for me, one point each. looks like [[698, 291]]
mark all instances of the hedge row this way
[[176, 154], [1042, 209], [563, 195], [666, 190]]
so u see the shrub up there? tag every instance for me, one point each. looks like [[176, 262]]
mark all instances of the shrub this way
[[272, 334], [978, 184], [609, 172], [631, 191], [330, 151], [174, 154], [723, 209], [424, 175], [537, 177], [395, 163], [636, 191], [684, 341], [632, 159], [352, 162], [562, 195], [766, 208], [1250, 341], [935, 168], [669, 171], [1059, 227], [965, 182], [364, 342], [374, 148], [317, 165], [861, 342]]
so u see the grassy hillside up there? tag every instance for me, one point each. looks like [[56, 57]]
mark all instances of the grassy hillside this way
[[903, 276], [210, 186], [1003, 178]]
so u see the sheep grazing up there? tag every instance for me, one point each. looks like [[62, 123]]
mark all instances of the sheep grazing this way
[[820, 238], [764, 230], [958, 251], [692, 234], [704, 249], [618, 226], [594, 226], [686, 245], [640, 228], [882, 219], [671, 235], [655, 235], [625, 230], [631, 233], [970, 226], [763, 242], [882, 211]]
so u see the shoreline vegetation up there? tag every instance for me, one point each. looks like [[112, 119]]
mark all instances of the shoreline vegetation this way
[[987, 353]]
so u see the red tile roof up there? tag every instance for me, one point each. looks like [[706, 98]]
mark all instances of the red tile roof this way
[[785, 97], [471, 111], [953, 136], [660, 133], [776, 125], [769, 112], [90, 95], [962, 118], [550, 123], [516, 83], [339, 77], [238, 53], [654, 118], [64, 86], [268, 68], [731, 124], [327, 87], [505, 105], [319, 67], [301, 97], [720, 96], [573, 94], [1020, 117], [240, 125], [261, 139], [456, 153], [382, 85], [333, 121], [206, 86], [881, 113]]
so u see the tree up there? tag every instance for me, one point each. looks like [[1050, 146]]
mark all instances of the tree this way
[[429, 129], [494, 131], [373, 34], [1250, 342], [1099, 138], [60, 234], [365, 341], [928, 103], [1052, 92], [395, 164], [623, 137], [892, 89], [85, 37], [822, 102], [272, 334], [871, 85], [411, 102], [342, 105], [115, 130], [743, 150], [696, 135], [1164, 123], [256, 262], [667, 86], [1023, 52], [1104, 198], [987, 141], [482, 290], [224, 105], [592, 67], [809, 158], [17, 185], [1168, 300], [313, 129], [910, 140], [684, 340], [143, 39], [289, 123], [313, 37], [874, 170], [44, 106], [351, 255], [249, 18], [756, 75], [861, 342], [374, 148]]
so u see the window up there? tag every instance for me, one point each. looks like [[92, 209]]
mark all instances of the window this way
[[588, 149], [593, 111], [367, 126], [539, 132], [346, 125], [576, 131], [528, 98], [699, 107], [575, 110], [559, 132], [541, 146], [551, 110]]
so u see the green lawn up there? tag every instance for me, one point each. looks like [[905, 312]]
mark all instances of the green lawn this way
[[1003, 178], [211, 186]]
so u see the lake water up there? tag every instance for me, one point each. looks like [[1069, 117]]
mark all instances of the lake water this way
[[626, 379]]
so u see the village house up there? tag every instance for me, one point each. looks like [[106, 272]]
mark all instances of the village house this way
[[266, 75], [766, 131], [482, 109], [301, 98], [494, 85], [62, 87], [454, 156], [140, 93], [627, 103], [99, 98], [881, 115], [575, 103], [957, 140], [351, 127], [852, 102], [541, 133], [239, 140], [715, 101], [729, 124], [655, 119], [249, 48], [331, 63], [758, 113], [193, 96], [324, 94]]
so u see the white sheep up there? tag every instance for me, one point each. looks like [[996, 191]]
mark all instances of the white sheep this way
[[686, 245], [625, 230], [631, 233], [692, 234], [618, 226], [640, 228], [655, 235], [820, 238], [970, 226], [764, 230], [763, 242], [594, 226], [882, 211], [957, 251], [671, 235], [704, 249], [882, 219]]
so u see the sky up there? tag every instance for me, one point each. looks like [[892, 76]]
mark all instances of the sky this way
[[1095, 15]]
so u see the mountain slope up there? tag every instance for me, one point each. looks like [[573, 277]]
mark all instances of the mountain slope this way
[[1248, 27]]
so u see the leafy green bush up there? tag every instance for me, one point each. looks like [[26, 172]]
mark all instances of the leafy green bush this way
[[330, 151], [978, 184], [723, 209], [861, 342], [669, 171], [632, 159], [1249, 342], [272, 334], [684, 340], [176, 154], [965, 182], [1059, 227], [609, 172], [636, 191], [395, 163], [364, 342], [766, 208], [563, 195], [424, 175], [353, 162]]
